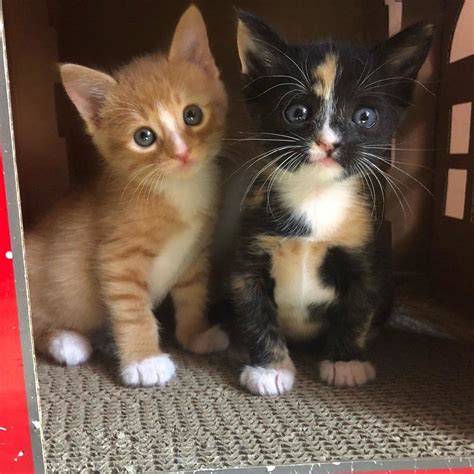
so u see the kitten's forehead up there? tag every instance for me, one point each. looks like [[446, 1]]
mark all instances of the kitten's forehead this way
[[324, 75]]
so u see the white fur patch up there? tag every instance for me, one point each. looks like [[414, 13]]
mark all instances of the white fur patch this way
[[70, 348], [172, 127], [347, 374], [156, 370], [212, 340], [328, 135], [313, 194], [190, 196], [267, 381], [173, 258]]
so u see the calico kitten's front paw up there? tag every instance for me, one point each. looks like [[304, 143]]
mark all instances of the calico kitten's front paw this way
[[267, 381], [212, 340], [69, 348], [354, 372], [156, 370]]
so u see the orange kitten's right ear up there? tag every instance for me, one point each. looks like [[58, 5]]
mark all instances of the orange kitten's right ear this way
[[190, 42], [87, 88]]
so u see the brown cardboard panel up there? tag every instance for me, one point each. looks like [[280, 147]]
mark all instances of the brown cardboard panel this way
[[416, 141], [32, 56], [452, 263]]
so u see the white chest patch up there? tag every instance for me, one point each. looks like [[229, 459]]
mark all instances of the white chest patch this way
[[295, 270], [171, 262], [191, 197], [321, 200]]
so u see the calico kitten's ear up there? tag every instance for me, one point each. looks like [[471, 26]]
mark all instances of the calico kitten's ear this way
[[87, 88], [259, 45], [403, 54], [190, 42]]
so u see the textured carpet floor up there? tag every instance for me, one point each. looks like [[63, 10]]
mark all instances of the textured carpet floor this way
[[421, 405]]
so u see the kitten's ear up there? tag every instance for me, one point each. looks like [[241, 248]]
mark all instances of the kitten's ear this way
[[259, 45], [190, 42], [403, 54], [88, 89]]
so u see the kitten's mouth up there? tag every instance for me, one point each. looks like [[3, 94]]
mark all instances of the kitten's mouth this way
[[323, 160]]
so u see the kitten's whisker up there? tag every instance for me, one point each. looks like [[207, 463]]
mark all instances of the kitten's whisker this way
[[253, 161], [279, 169], [269, 89], [249, 187], [368, 185], [388, 81], [307, 80], [251, 139], [278, 76], [397, 191], [132, 177], [400, 170], [296, 93]]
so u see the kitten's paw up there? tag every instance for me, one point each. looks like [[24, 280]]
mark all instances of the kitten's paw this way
[[156, 370], [212, 340], [267, 381], [347, 374], [69, 348]]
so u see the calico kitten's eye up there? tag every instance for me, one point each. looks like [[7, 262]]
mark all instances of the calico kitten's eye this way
[[365, 117], [192, 115], [144, 137], [296, 113]]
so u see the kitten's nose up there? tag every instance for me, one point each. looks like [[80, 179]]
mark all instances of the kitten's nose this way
[[327, 146], [183, 157]]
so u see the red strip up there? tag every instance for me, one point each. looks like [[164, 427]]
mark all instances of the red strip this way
[[459, 470], [15, 442]]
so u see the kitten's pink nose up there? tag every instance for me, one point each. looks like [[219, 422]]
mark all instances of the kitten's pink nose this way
[[327, 146], [183, 157]]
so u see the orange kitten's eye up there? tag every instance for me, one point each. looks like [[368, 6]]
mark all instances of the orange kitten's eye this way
[[192, 115], [144, 137]]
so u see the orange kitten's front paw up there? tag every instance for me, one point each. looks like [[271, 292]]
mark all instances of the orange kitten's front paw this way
[[156, 370], [212, 340], [354, 372], [69, 348]]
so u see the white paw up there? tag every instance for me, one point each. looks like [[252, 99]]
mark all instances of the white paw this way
[[70, 348], [155, 370], [212, 340], [348, 374], [267, 381]]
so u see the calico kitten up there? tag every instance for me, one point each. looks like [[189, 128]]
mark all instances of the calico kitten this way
[[115, 251], [307, 262]]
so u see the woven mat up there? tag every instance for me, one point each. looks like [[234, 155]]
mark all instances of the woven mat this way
[[421, 405]]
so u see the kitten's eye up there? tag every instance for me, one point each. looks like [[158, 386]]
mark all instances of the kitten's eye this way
[[365, 117], [296, 113], [144, 137], [192, 115]]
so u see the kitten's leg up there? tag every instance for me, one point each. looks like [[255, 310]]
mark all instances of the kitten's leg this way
[[344, 358], [189, 295], [270, 371], [134, 326], [348, 321]]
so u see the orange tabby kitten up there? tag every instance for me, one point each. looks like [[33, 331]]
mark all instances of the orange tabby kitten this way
[[115, 251]]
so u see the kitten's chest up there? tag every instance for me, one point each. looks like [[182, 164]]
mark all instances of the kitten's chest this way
[[193, 203], [324, 208], [296, 265], [173, 259]]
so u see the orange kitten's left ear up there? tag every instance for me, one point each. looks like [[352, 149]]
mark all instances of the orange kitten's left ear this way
[[190, 42]]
